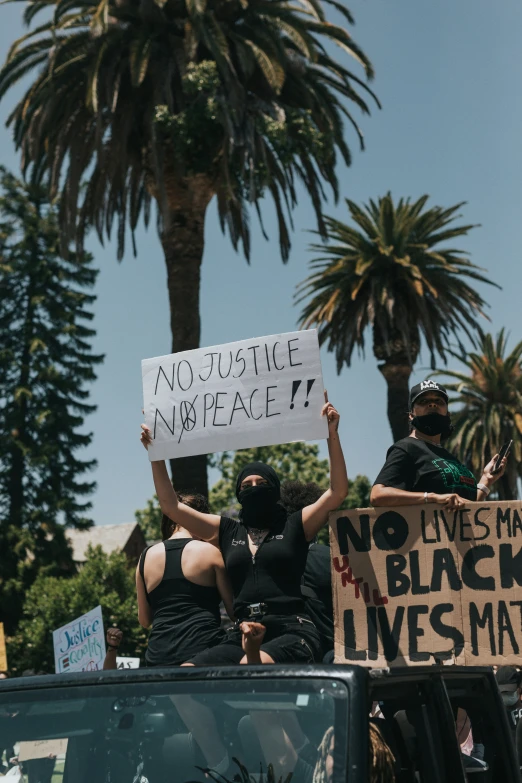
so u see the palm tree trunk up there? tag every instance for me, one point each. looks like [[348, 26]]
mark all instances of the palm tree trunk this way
[[183, 240], [397, 378], [397, 359]]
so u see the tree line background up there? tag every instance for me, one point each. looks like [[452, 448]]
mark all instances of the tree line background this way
[[132, 106]]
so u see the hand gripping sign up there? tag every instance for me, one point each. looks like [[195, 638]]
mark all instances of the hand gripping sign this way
[[417, 584], [255, 392]]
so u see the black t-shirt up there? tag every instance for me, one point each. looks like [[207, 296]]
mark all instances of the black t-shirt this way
[[417, 466], [514, 714], [317, 591], [274, 575]]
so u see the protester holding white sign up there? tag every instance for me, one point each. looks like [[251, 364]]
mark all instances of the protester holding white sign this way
[[264, 553]]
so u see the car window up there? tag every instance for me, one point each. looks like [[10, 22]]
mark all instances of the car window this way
[[491, 735], [415, 719], [174, 732]]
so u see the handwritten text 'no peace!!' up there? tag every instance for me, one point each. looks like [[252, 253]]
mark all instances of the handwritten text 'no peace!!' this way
[[222, 409]]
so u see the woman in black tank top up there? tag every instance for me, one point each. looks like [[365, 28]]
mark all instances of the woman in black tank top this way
[[264, 553], [185, 615]]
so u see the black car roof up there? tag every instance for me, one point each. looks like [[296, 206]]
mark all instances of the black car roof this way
[[348, 673]]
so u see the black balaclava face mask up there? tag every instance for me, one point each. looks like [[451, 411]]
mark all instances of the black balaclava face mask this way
[[259, 505], [433, 424]]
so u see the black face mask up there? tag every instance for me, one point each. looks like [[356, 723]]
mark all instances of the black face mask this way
[[433, 424], [259, 507], [510, 699]]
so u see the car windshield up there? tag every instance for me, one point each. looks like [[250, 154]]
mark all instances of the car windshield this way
[[249, 730]]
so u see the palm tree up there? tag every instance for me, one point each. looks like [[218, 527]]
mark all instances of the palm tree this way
[[489, 391], [391, 273], [180, 101]]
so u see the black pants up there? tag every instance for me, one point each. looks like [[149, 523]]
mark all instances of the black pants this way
[[288, 639]]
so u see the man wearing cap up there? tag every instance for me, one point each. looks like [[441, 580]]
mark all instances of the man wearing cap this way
[[508, 681], [418, 469]]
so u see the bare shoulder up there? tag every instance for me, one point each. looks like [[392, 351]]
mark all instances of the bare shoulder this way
[[155, 552], [207, 552]]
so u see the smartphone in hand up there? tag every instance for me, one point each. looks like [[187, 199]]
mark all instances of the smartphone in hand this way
[[504, 451]]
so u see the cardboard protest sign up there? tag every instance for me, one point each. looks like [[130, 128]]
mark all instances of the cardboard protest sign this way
[[79, 646], [125, 662], [255, 392], [420, 583], [3, 651], [41, 749]]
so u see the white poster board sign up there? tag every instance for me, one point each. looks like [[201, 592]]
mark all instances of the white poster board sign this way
[[125, 662], [42, 749], [79, 646], [256, 392]]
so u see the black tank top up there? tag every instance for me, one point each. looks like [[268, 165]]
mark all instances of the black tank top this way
[[185, 616], [274, 575]]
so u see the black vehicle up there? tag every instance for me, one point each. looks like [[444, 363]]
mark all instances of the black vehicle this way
[[126, 726], [420, 709]]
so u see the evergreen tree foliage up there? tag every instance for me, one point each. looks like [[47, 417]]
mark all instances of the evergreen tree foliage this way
[[358, 493], [46, 363], [149, 519], [51, 602]]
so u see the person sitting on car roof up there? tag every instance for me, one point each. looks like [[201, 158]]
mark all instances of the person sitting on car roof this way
[[265, 554], [418, 469], [180, 584]]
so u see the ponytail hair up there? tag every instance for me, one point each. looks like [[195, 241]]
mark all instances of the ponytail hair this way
[[168, 527]]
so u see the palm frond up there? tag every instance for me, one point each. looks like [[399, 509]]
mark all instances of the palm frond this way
[[147, 99], [391, 263], [488, 393]]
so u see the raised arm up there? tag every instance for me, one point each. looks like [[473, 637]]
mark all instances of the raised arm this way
[[316, 515], [203, 526]]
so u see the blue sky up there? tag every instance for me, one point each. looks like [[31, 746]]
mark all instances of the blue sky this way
[[448, 75]]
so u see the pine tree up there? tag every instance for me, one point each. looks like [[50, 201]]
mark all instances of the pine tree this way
[[45, 363]]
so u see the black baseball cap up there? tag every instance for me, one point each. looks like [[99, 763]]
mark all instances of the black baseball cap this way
[[508, 679], [426, 386]]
